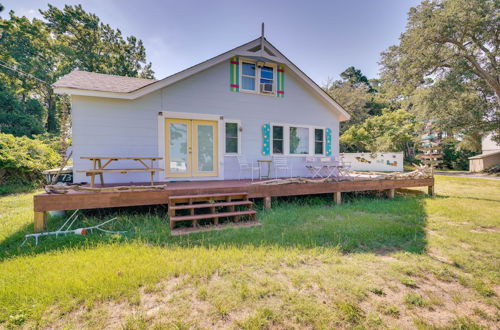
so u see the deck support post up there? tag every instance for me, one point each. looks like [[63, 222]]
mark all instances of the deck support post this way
[[390, 193], [430, 190], [267, 202], [40, 221], [337, 197]]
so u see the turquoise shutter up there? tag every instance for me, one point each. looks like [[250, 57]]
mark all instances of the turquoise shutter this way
[[280, 83], [234, 78], [266, 139], [328, 147]]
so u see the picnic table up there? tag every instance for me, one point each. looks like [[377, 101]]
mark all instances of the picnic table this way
[[99, 169]]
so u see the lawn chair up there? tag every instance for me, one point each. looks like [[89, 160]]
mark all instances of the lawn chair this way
[[345, 169], [246, 165], [329, 167], [313, 167], [281, 164]]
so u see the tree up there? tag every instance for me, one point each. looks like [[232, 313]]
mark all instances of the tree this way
[[28, 47], [356, 78], [450, 47], [356, 95], [90, 45], [35, 53], [392, 131], [20, 118]]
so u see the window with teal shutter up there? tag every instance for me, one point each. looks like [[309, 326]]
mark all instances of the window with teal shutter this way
[[266, 141]]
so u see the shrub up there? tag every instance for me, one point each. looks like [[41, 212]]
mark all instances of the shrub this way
[[22, 160]]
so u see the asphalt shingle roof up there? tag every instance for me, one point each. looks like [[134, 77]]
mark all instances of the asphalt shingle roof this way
[[101, 82]]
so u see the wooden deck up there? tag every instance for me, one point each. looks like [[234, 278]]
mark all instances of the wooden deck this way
[[92, 200]]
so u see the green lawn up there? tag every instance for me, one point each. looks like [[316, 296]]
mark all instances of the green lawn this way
[[411, 262]]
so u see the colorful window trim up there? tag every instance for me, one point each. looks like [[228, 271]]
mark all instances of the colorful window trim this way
[[260, 76], [234, 74]]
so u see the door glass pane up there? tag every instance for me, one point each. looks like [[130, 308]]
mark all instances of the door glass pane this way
[[205, 136], [178, 148], [299, 140]]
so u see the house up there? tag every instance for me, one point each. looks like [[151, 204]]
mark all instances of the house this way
[[250, 102], [489, 157]]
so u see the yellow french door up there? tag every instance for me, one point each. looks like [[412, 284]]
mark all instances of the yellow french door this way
[[191, 148]]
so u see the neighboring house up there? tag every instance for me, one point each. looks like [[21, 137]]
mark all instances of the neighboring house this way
[[490, 155], [250, 101]]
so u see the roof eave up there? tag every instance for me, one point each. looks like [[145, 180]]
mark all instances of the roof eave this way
[[88, 92]]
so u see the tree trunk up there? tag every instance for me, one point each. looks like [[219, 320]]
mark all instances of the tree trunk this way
[[51, 112]]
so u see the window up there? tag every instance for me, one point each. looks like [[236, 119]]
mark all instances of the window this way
[[299, 140], [232, 137], [319, 141], [278, 140], [257, 77], [267, 77], [295, 140], [248, 76]]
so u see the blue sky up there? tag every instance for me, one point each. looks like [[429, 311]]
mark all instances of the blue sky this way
[[321, 37]]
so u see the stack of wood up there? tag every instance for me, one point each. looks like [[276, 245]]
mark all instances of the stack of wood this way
[[420, 172], [63, 189]]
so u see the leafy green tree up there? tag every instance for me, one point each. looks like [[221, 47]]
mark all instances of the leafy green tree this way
[[356, 95], [20, 118], [90, 45], [356, 78], [35, 53], [450, 50], [27, 47], [393, 131]]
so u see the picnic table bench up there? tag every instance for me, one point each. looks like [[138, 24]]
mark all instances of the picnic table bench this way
[[99, 169]]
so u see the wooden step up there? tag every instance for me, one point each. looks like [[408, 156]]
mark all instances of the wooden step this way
[[208, 196], [210, 216], [205, 205]]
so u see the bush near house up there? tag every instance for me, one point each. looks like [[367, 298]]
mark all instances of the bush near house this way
[[22, 160]]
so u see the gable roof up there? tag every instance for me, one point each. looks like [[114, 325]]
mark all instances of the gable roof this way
[[101, 82], [93, 84]]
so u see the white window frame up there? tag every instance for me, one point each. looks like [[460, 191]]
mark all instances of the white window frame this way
[[232, 121], [286, 140], [242, 61], [257, 77]]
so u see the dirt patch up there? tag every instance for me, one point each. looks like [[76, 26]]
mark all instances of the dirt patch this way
[[442, 303], [486, 230]]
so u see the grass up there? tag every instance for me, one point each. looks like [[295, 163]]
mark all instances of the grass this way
[[410, 262]]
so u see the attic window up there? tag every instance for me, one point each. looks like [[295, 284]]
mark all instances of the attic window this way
[[267, 76], [248, 76], [258, 77]]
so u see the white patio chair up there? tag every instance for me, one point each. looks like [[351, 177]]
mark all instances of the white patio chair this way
[[329, 167], [345, 169], [281, 164], [313, 167], [246, 165]]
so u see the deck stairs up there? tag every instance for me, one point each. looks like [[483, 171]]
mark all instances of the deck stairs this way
[[210, 209]]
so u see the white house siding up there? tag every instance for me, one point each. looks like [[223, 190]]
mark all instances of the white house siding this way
[[130, 128], [113, 127]]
